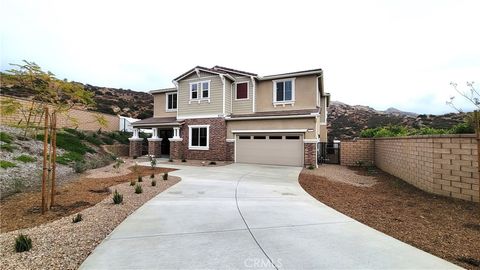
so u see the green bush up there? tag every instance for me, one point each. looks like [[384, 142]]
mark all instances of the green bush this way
[[80, 134], [5, 137], [154, 183], [7, 147], [70, 157], [117, 197], [140, 179], [25, 158], [93, 139], [152, 175], [462, 128], [70, 143], [165, 176], [77, 218], [107, 140], [7, 164], [311, 167], [23, 243], [138, 189], [79, 166], [132, 182], [119, 136]]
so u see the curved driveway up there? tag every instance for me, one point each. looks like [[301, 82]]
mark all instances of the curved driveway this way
[[248, 217]]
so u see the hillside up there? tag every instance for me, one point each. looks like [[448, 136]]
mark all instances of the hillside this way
[[346, 121], [108, 100]]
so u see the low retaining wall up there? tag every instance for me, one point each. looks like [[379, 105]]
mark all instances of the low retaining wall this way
[[440, 164], [86, 119], [119, 150]]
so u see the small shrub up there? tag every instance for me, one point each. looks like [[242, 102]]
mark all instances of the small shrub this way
[[140, 179], [25, 158], [132, 182], [165, 176], [69, 157], [134, 157], [117, 197], [153, 162], [79, 167], [138, 189], [93, 140], [23, 243], [118, 163], [170, 160], [154, 183], [152, 175], [6, 138], [360, 163], [7, 147], [212, 163], [184, 160], [77, 218], [311, 167], [7, 164]]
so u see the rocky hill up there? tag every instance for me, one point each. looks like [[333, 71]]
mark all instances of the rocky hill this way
[[346, 121], [108, 100]]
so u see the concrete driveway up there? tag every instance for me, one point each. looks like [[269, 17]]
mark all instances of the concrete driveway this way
[[248, 217]]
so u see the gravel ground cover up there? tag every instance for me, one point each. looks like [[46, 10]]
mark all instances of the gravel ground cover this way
[[22, 210], [445, 227], [199, 163], [62, 244], [340, 174]]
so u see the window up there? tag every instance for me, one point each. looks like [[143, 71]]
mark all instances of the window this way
[[259, 137], [200, 90], [171, 102], [284, 90], [292, 137], [199, 136], [275, 137], [244, 137], [242, 90]]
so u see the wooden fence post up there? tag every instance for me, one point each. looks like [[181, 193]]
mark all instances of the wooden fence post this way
[[54, 157]]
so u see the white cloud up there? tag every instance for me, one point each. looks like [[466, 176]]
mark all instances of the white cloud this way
[[377, 53]]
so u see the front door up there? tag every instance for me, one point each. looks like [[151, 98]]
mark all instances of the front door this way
[[165, 145]]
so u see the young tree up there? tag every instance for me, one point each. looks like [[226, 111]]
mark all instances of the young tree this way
[[50, 97], [473, 96]]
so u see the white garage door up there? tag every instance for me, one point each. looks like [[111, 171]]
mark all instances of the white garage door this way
[[274, 149]]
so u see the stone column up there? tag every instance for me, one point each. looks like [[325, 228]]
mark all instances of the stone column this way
[[154, 147], [310, 154], [230, 150], [136, 144]]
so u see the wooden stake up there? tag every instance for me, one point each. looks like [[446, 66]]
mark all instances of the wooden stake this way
[[44, 175], [54, 157]]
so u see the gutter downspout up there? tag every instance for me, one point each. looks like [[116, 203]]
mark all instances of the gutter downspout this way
[[254, 92], [223, 89]]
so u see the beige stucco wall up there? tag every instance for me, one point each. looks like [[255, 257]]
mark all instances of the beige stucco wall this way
[[305, 95], [277, 124], [159, 106], [243, 106], [195, 108]]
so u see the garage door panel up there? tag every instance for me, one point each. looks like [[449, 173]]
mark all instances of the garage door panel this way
[[274, 149]]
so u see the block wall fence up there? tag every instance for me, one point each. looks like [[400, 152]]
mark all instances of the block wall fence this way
[[441, 164], [86, 119]]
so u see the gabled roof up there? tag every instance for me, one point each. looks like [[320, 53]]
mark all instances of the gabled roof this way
[[290, 74], [235, 71], [209, 70]]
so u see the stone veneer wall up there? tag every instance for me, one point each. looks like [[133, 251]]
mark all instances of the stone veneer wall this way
[[440, 164], [136, 146], [230, 151], [361, 150], [217, 139], [155, 147], [119, 150], [309, 154]]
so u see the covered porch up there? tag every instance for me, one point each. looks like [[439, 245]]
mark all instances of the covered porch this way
[[165, 133]]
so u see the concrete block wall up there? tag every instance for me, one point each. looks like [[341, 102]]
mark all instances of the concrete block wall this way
[[86, 120], [351, 152], [440, 164]]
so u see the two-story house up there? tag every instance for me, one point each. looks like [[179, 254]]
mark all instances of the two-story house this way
[[221, 113]]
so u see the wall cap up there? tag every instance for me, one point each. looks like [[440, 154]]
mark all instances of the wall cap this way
[[175, 139], [135, 139], [427, 136]]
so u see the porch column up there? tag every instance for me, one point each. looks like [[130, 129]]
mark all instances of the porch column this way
[[176, 144], [136, 144], [155, 144]]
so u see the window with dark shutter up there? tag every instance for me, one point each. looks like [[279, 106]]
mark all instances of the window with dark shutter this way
[[242, 90]]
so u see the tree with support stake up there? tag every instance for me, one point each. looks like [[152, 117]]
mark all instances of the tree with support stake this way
[[472, 95], [50, 97]]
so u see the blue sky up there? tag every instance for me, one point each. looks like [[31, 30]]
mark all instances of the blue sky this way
[[383, 54]]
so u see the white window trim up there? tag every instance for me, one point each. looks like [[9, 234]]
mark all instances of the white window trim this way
[[200, 91], [274, 90], [248, 90], [166, 102], [190, 137]]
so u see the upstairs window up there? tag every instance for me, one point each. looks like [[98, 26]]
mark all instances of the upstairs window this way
[[242, 90], [171, 102], [284, 90], [200, 90]]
